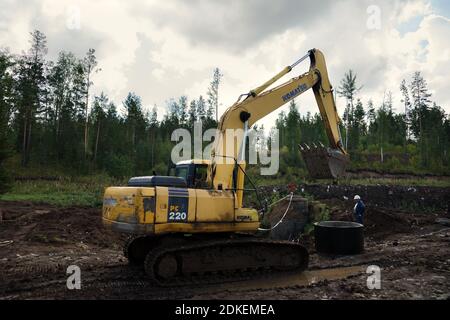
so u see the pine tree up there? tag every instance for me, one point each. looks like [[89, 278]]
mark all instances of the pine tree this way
[[30, 88], [370, 112], [280, 125], [358, 126], [182, 111], [201, 112], [293, 133], [407, 106], [6, 102], [61, 86], [89, 64], [154, 117], [389, 103], [174, 112], [348, 90], [420, 105], [134, 118], [213, 95], [407, 109], [98, 116], [262, 139], [152, 133], [192, 114]]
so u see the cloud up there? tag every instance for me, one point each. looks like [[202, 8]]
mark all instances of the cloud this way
[[161, 79], [164, 49], [236, 25], [410, 9], [16, 23], [435, 30]]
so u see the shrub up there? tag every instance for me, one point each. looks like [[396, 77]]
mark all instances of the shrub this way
[[119, 166]]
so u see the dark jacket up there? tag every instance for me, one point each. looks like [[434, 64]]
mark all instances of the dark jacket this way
[[359, 208]]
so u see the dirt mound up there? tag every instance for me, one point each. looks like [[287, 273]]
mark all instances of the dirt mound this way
[[293, 222], [50, 224], [381, 223], [412, 197]]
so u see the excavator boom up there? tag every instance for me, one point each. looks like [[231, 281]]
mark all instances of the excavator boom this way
[[321, 162]]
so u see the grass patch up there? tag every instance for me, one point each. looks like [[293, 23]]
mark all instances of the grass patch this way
[[318, 212], [80, 191], [88, 190]]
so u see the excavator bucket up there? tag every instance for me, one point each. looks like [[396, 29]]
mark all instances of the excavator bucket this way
[[322, 162]]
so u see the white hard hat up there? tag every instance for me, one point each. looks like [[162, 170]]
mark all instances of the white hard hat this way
[[357, 197]]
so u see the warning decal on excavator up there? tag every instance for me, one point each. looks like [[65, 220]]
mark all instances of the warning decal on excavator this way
[[177, 210]]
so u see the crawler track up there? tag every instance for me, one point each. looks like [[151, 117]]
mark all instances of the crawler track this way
[[218, 261]]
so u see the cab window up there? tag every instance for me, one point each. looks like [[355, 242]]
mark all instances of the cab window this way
[[182, 172], [201, 173]]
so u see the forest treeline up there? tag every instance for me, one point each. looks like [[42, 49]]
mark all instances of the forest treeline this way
[[51, 118], [416, 140]]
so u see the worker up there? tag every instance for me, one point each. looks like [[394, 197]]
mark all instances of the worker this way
[[358, 210]]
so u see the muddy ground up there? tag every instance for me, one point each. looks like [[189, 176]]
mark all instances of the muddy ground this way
[[38, 242]]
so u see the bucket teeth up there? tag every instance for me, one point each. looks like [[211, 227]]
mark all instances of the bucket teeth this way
[[322, 162]]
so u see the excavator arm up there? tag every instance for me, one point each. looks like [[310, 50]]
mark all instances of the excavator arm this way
[[259, 103]]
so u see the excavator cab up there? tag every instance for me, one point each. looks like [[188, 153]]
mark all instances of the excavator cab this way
[[194, 172]]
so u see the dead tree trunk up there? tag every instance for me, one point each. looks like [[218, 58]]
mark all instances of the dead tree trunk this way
[[24, 140], [86, 115]]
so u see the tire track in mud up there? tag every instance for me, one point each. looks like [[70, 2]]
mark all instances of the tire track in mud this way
[[50, 281], [121, 281], [110, 281]]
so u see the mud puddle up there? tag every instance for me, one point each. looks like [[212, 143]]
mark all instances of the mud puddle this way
[[306, 278]]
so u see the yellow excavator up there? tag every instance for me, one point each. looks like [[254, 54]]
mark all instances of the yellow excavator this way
[[192, 227]]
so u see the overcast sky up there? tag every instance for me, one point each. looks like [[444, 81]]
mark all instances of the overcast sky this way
[[164, 49]]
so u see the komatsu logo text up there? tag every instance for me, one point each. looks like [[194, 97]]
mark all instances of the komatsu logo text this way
[[301, 88]]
